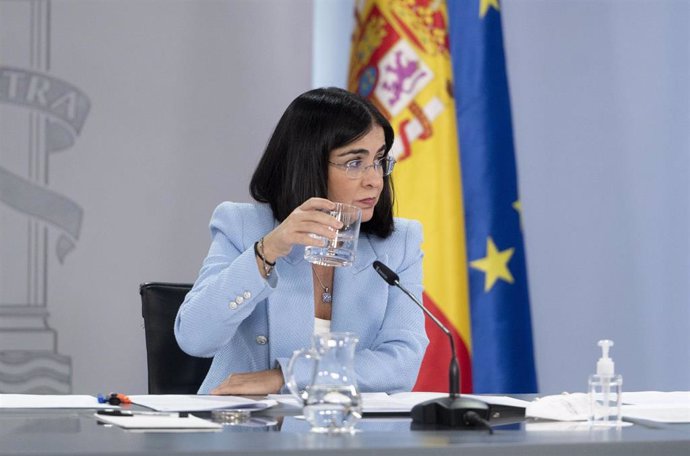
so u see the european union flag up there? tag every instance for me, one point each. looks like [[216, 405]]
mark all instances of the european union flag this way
[[502, 352]]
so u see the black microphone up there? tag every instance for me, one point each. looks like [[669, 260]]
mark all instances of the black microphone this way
[[452, 411]]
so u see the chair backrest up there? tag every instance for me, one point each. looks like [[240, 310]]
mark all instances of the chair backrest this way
[[171, 371]]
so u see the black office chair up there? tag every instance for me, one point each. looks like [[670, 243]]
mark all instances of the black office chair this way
[[171, 371]]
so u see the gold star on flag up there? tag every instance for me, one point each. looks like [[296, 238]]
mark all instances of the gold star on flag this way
[[484, 6], [517, 205], [494, 265]]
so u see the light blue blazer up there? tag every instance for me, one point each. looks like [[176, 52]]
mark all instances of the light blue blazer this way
[[247, 323]]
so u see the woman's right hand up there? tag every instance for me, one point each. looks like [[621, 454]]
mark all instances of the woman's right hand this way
[[306, 219]]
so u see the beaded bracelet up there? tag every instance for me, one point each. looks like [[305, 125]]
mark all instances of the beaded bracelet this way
[[259, 251]]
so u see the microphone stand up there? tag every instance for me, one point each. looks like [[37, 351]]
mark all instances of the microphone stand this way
[[453, 411]]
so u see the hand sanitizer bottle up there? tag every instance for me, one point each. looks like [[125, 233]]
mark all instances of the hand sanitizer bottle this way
[[605, 390]]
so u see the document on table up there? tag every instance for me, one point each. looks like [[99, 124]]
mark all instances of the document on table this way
[[403, 402], [660, 413], [371, 402], [656, 398], [199, 403], [172, 421], [391, 403], [560, 407], [661, 407], [658, 406], [50, 401]]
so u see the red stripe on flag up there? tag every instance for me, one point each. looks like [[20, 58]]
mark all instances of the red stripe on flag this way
[[433, 375]]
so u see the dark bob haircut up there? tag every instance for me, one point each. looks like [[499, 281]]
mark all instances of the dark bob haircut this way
[[294, 166]]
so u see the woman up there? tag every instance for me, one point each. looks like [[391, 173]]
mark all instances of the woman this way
[[256, 299]]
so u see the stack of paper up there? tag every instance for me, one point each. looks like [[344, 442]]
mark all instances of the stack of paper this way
[[662, 407], [199, 403], [155, 421], [403, 402], [50, 401], [671, 407], [561, 407]]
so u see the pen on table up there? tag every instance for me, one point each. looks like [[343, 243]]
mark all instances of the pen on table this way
[[114, 399], [142, 413]]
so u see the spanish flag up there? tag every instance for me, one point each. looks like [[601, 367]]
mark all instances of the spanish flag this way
[[462, 189]]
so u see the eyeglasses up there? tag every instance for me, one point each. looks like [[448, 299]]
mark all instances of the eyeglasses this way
[[354, 169]]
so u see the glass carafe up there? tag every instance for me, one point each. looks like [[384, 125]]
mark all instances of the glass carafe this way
[[331, 399]]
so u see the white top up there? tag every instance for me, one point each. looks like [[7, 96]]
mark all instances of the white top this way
[[321, 326]]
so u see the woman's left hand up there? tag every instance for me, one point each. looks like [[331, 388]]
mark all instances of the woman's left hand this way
[[249, 383]]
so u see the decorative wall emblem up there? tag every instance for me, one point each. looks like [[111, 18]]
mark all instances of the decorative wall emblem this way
[[40, 115]]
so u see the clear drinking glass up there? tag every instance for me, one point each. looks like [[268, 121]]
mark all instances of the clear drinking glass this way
[[339, 251], [331, 401]]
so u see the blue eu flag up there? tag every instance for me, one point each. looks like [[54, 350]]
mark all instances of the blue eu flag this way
[[502, 353]]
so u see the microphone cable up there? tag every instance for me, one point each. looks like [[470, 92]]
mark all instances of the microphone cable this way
[[474, 419]]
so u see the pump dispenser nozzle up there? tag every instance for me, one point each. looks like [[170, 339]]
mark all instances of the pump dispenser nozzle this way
[[605, 364]]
